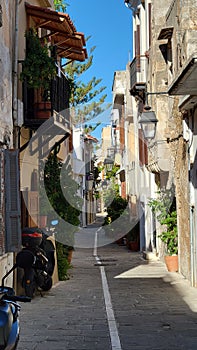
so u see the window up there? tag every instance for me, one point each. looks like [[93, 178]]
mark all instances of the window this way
[[2, 230], [12, 200], [1, 16]]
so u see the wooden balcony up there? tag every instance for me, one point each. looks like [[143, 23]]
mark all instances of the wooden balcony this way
[[38, 107], [138, 69]]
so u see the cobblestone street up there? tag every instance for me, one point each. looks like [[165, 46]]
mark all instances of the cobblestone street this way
[[118, 301]]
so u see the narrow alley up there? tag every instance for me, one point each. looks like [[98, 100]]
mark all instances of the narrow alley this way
[[114, 300]]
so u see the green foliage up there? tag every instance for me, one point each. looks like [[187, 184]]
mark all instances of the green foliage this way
[[61, 191], [97, 194], [62, 259], [38, 66], [112, 173], [86, 99], [170, 236], [60, 5], [111, 192], [115, 209], [165, 210], [90, 128]]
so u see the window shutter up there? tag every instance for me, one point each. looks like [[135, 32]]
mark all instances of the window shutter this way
[[1, 16], [143, 150], [12, 201], [2, 226], [138, 65], [33, 205]]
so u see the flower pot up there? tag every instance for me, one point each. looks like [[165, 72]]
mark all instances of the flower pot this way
[[171, 262], [70, 254], [133, 246], [120, 241]]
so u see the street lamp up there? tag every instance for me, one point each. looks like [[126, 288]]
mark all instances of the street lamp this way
[[104, 184], [148, 122], [132, 4], [108, 162]]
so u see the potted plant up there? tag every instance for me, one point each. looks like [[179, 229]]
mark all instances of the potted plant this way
[[132, 238], [170, 237], [164, 209], [38, 69], [117, 218]]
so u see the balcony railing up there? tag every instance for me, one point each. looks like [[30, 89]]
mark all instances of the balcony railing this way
[[138, 70], [38, 108]]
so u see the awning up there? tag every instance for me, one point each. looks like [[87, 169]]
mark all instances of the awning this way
[[185, 81], [121, 170], [165, 33], [70, 43], [121, 173]]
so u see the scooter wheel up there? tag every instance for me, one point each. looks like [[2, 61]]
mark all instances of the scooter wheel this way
[[29, 290], [44, 280], [47, 283]]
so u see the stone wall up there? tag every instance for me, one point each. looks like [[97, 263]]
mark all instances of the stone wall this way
[[170, 127], [179, 157]]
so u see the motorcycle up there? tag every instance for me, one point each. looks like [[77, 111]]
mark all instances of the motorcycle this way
[[39, 275], [9, 306]]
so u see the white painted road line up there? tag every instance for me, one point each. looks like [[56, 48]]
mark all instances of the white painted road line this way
[[113, 330], [95, 243]]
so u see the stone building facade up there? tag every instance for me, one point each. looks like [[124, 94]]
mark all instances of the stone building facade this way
[[181, 18], [165, 38], [163, 66], [9, 172], [20, 117]]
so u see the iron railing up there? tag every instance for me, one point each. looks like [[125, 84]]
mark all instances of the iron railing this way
[[57, 101]]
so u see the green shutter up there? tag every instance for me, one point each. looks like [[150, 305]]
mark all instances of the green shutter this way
[[12, 201]]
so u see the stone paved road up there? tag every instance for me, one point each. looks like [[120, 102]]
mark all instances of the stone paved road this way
[[114, 300]]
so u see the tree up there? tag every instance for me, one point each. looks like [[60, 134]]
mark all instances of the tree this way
[[83, 103], [62, 190], [90, 128], [60, 5], [62, 193], [87, 100]]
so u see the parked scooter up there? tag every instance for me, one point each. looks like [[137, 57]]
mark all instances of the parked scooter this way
[[9, 307], [39, 275], [48, 246]]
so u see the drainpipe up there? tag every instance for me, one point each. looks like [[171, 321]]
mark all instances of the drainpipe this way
[[15, 77], [191, 214]]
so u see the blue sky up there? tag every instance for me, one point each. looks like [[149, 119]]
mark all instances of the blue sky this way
[[109, 23]]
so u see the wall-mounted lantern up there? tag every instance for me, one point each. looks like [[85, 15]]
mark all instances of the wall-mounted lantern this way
[[148, 122], [108, 163], [132, 4]]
